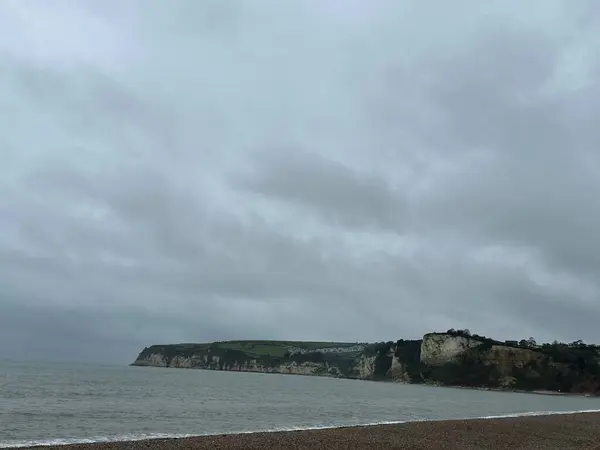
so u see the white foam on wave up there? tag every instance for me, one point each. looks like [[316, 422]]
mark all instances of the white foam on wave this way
[[93, 440], [143, 437], [540, 413]]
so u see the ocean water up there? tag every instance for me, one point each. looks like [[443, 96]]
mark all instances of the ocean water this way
[[50, 403]]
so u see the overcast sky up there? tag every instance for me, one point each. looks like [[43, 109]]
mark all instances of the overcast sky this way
[[347, 170]]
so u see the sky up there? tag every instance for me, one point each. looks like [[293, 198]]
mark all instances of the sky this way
[[201, 170]]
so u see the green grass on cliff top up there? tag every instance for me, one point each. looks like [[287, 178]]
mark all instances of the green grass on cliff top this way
[[265, 348], [278, 348]]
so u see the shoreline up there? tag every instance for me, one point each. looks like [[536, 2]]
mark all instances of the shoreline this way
[[521, 391], [436, 385], [537, 430]]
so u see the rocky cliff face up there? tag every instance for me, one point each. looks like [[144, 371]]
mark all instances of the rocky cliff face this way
[[439, 349], [439, 358], [218, 362], [442, 349], [368, 362], [475, 361]]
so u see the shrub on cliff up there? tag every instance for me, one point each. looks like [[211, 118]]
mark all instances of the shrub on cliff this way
[[315, 357], [383, 360]]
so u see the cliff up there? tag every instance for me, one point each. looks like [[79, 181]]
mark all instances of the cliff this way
[[383, 361], [451, 358], [457, 359]]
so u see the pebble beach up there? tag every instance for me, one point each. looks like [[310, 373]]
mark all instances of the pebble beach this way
[[579, 431]]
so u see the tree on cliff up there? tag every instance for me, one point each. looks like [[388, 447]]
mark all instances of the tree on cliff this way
[[528, 343]]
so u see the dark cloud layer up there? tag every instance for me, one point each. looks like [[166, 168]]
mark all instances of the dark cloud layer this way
[[317, 170]]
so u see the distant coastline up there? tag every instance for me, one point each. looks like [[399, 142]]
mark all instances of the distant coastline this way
[[454, 358]]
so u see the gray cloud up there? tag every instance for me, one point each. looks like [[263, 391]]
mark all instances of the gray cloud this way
[[336, 192], [338, 171]]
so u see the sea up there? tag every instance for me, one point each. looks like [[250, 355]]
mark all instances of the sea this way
[[58, 403]]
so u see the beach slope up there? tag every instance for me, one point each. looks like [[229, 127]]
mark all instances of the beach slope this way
[[555, 432]]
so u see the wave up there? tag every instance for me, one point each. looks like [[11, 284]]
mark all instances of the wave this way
[[147, 436], [93, 440]]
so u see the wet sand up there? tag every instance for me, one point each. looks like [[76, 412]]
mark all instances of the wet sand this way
[[556, 432]]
